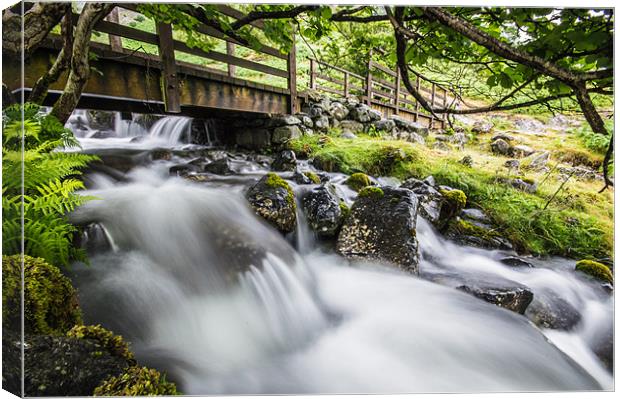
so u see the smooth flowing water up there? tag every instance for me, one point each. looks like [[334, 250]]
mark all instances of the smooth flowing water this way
[[206, 291]]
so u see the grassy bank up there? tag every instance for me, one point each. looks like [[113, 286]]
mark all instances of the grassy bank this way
[[578, 223]]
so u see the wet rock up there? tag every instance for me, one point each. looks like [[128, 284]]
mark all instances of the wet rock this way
[[283, 120], [452, 203], [580, 172], [501, 147], [482, 127], [429, 198], [323, 210], [272, 198], [338, 111], [466, 232], [94, 239], [595, 270], [520, 151], [62, 366], [382, 226], [603, 346], [302, 178], [184, 170], [285, 133], [550, 311], [516, 299], [306, 120], [220, 167], [515, 261], [161, 154], [284, 161]]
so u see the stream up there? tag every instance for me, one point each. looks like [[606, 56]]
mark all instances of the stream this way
[[224, 304]]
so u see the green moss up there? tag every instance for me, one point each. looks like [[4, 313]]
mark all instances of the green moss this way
[[274, 181], [375, 192], [456, 198], [313, 177], [50, 301], [462, 227], [344, 209], [105, 338], [357, 181], [595, 269], [137, 381]]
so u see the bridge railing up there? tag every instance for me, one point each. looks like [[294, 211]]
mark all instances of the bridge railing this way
[[169, 56], [381, 87]]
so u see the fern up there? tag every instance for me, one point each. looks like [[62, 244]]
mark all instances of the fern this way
[[50, 181]]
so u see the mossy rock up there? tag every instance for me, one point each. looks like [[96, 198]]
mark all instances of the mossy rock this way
[[344, 208], [105, 338], [596, 270], [314, 178], [50, 301], [137, 381], [453, 202], [358, 181], [374, 192], [273, 199]]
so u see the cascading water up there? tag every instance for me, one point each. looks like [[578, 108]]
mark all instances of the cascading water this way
[[212, 295]]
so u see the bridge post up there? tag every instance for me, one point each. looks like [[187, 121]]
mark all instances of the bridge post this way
[[346, 84], [417, 103], [230, 50], [369, 80], [445, 103], [169, 80], [115, 41], [292, 76], [430, 126], [397, 92]]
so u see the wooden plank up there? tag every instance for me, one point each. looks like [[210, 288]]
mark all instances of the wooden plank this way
[[227, 59], [115, 41], [384, 94], [330, 79], [346, 84], [383, 83], [328, 89], [382, 68], [352, 74], [397, 94], [291, 65], [312, 74], [170, 83], [417, 103], [433, 103], [123, 31], [230, 50]]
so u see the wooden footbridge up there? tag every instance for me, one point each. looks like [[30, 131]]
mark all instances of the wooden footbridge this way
[[136, 70]]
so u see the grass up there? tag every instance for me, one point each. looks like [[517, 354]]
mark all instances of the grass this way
[[577, 224]]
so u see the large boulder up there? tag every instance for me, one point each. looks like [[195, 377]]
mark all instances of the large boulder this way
[[221, 166], [324, 211], [548, 310], [521, 151], [382, 227], [437, 205], [272, 198], [321, 123], [516, 299], [137, 381], [50, 301], [482, 127], [501, 147], [338, 111], [384, 125], [351, 126], [285, 161], [361, 113]]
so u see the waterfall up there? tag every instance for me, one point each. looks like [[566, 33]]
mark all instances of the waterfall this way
[[209, 293], [172, 130]]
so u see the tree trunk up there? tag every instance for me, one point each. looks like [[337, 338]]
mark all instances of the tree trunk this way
[[39, 91], [38, 22], [80, 68]]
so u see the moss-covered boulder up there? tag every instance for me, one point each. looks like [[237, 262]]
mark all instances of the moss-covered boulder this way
[[452, 203], [357, 181], [272, 198], [323, 210], [467, 232], [596, 270], [382, 227], [106, 339], [137, 381], [50, 301]]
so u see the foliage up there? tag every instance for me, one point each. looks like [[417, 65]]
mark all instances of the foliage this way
[[137, 381], [314, 178], [105, 338], [49, 185], [595, 269], [374, 192], [594, 141], [274, 181], [50, 301]]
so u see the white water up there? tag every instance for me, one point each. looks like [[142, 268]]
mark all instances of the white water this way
[[206, 291]]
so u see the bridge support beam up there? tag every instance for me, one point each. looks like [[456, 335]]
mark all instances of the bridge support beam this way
[[170, 82]]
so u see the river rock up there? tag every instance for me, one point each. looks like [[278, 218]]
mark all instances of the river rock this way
[[62, 366], [382, 227], [537, 162], [283, 120], [323, 210], [550, 311], [501, 147], [516, 299], [429, 198], [161, 154], [384, 125], [361, 113], [221, 166], [351, 126], [283, 134], [272, 198], [521, 151], [285, 161], [515, 261], [321, 123], [466, 232]]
